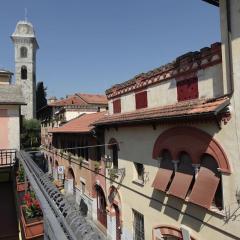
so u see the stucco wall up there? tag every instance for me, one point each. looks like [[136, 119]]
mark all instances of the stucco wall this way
[[210, 85], [9, 127], [169, 210]]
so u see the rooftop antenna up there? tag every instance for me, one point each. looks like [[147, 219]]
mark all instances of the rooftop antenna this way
[[25, 14]]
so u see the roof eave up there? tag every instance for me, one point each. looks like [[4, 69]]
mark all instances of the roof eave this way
[[13, 103], [213, 2], [160, 119]]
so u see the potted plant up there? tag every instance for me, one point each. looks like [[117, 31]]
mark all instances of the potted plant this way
[[20, 180], [31, 216]]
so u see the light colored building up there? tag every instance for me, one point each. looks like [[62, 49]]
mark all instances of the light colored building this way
[[59, 112], [25, 44], [173, 136], [11, 99]]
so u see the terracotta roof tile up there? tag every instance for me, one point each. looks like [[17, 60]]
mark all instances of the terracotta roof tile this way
[[93, 98], [71, 100], [81, 124], [80, 99], [198, 107]]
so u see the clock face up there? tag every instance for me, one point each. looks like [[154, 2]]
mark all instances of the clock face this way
[[23, 29]]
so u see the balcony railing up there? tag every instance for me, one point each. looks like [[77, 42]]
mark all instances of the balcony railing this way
[[61, 219], [7, 157]]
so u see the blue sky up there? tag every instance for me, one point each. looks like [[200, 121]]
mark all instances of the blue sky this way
[[90, 45]]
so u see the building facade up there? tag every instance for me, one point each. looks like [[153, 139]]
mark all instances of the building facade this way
[[25, 44], [11, 99], [175, 129]]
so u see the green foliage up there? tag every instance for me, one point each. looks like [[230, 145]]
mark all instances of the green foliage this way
[[30, 133], [97, 165], [20, 176], [41, 94], [32, 207]]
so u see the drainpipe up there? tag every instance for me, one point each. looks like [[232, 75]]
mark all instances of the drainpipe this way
[[229, 48]]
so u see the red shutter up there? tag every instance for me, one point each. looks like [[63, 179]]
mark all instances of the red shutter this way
[[204, 188], [141, 100], [117, 106], [187, 89], [162, 179], [180, 185]]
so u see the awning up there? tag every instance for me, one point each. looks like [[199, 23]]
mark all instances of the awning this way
[[162, 179], [180, 185], [204, 188]]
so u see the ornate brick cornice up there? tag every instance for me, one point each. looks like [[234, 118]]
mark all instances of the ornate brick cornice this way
[[188, 63]]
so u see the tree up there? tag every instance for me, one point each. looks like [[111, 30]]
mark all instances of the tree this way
[[41, 94], [30, 133]]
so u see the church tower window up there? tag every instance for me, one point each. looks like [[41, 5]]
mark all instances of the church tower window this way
[[23, 72], [23, 52]]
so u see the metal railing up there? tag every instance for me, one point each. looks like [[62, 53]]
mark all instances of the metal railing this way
[[61, 219], [7, 157]]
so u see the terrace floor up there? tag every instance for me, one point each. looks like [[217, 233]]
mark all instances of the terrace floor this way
[[8, 214]]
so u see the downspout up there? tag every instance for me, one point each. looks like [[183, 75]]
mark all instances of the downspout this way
[[229, 48]]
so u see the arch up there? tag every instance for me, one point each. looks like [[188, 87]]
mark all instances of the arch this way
[[115, 210], [23, 52], [24, 72], [71, 181], [70, 174], [114, 196], [193, 141], [56, 163], [168, 230], [101, 206]]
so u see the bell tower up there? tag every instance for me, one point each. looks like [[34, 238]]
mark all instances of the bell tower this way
[[26, 46]]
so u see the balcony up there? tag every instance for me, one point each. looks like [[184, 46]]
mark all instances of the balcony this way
[[61, 219]]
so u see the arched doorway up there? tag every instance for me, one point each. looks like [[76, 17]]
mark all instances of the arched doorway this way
[[115, 206], [55, 169], [70, 183], [117, 221], [101, 207]]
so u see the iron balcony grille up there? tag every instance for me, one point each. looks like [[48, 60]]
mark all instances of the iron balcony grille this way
[[7, 157], [138, 226]]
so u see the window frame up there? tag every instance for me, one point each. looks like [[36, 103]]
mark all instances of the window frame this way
[[141, 100], [117, 108], [138, 231]]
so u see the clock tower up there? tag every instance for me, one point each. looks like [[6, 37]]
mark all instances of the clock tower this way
[[26, 46]]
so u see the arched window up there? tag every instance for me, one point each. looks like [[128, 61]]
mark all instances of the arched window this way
[[23, 52], [23, 72], [166, 160]]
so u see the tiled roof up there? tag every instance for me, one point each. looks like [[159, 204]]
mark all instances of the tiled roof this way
[[189, 62], [191, 108], [80, 99], [93, 98], [81, 124], [71, 100], [11, 94], [3, 71]]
